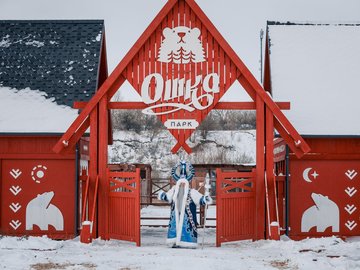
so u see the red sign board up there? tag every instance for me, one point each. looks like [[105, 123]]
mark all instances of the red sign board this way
[[181, 72], [38, 197], [324, 198]]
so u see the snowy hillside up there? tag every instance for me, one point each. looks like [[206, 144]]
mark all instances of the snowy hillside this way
[[236, 147]]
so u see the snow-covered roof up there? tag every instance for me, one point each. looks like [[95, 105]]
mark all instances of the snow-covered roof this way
[[59, 57], [44, 67], [32, 111], [316, 67]]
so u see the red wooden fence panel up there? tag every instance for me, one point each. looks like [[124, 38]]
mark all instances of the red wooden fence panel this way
[[235, 201], [124, 206]]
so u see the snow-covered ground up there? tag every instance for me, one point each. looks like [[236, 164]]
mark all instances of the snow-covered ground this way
[[44, 253]]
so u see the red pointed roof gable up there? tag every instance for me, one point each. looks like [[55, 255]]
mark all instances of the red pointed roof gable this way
[[182, 83]]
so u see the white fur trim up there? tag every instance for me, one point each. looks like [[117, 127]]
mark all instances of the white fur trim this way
[[170, 194], [159, 195], [209, 202], [186, 244], [196, 196], [171, 241], [180, 217]]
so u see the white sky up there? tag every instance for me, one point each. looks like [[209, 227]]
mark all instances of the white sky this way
[[317, 69], [239, 21]]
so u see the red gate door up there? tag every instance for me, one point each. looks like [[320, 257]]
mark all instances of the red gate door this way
[[124, 206], [235, 202]]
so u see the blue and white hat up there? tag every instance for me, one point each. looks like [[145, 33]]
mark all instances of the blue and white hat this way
[[183, 170]]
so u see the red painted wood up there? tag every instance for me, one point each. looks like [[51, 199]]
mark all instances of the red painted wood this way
[[330, 184], [267, 71], [85, 200], [273, 214], [235, 201], [37, 156], [125, 105], [35, 181], [251, 81], [94, 206], [289, 140], [77, 135], [260, 168], [334, 146], [30, 145], [93, 163], [103, 70], [203, 23], [181, 71], [124, 206], [114, 81], [103, 161]]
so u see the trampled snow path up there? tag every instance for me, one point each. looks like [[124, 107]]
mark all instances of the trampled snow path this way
[[43, 253]]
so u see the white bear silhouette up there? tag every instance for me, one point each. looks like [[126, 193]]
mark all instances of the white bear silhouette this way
[[324, 214], [42, 213], [181, 45]]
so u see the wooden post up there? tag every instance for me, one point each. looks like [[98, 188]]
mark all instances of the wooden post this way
[[103, 161], [260, 169], [93, 166], [270, 178], [219, 224]]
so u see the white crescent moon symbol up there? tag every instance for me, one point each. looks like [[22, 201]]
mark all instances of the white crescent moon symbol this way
[[306, 175]]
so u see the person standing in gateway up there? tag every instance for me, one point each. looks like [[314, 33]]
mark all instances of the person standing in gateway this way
[[182, 231]]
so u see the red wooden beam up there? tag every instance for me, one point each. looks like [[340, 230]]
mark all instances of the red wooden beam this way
[[289, 140], [123, 105], [260, 170], [273, 214], [251, 85], [103, 202], [93, 165], [115, 80], [219, 222], [78, 134]]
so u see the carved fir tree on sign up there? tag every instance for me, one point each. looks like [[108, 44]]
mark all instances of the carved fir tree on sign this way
[[181, 66]]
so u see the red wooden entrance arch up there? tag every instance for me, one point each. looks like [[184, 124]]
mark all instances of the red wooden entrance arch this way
[[181, 84]]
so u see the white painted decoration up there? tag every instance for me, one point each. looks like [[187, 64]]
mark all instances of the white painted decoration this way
[[15, 207], [181, 45], [15, 190], [306, 174], [350, 191], [42, 213], [15, 173], [15, 224], [350, 224], [350, 208], [38, 172], [351, 174], [181, 124], [324, 214], [173, 89]]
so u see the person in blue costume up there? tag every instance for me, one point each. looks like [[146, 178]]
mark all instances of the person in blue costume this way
[[182, 231]]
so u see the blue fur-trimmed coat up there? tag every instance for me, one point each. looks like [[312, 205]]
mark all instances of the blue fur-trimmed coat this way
[[182, 230]]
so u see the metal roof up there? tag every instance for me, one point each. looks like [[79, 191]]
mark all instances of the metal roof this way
[[59, 57]]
